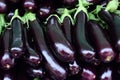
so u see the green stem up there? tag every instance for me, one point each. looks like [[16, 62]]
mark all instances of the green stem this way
[[81, 8], [2, 22], [112, 5]]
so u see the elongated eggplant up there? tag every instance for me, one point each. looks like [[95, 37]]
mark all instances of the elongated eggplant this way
[[56, 71], [33, 58], [3, 6], [36, 73], [17, 38], [58, 42], [29, 5], [102, 46], [6, 60], [67, 28], [116, 29], [86, 51]]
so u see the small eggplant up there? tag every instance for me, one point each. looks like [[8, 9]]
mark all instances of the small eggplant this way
[[3, 6], [61, 46], [69, 2], [36, 73], [6, 60], [29, 5], [106, 74], [88, 74], [17, 38], [83, 47], [56, 71], [102, 46], [33, 58]]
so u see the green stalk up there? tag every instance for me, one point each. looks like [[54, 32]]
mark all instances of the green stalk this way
[[2, 22]]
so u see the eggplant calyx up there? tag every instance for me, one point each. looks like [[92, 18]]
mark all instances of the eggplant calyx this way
[[16, 15], [112, 5], [81, 7], [52, 16], [2, 22], [66, 13]]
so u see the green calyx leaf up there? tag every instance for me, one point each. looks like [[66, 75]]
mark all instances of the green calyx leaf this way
[[16, 15], [2, 22], [117, 12], [67, 13], [112, 5], [92, 17], [81, 7], [28, 16], [51, 16], [36, 79]]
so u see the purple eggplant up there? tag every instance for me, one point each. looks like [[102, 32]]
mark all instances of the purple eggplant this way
[[88, 74], [69, 2], [33, 58], [17, 38], [36, 73], [6, 60], [3, 6], [83, 47], [67, 28], [104, 49], [61, 46], [45, 9], [29, 5], [106, 74], [56, 71], [9, 16]]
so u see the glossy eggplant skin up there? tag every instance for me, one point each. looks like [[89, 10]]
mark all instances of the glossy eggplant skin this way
[[85, 50], [33, 57], [67, 31], [56, 71], [6, 60], [88, 74], [17, 38], [3, 6], [116, 29], [36, 72], [29, 5], [67, 28], [106, 74], [69, 2], [62, 47], [104, 50]]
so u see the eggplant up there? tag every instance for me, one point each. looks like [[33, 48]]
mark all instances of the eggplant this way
[[9, 16], [29, 5], [67, 28], [103, 47], [56, 71], [69, 2], [45, 9], [88, 74], [61, 46], [83, 47], [6, 60], [33, 57], [3, 6], [36, 72], [106, 74], [17, 47]]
